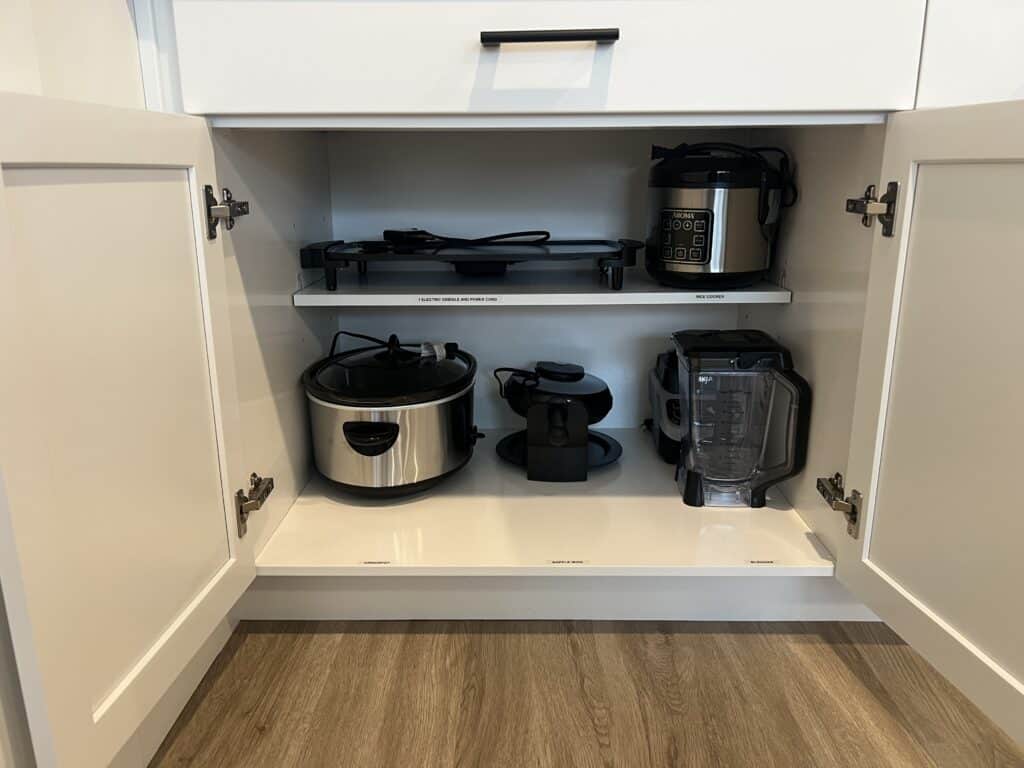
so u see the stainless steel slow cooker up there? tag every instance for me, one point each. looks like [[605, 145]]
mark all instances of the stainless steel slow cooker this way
[[714, 213], [391, 418]]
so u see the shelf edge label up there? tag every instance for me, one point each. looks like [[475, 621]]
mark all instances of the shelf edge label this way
[[484, 299]]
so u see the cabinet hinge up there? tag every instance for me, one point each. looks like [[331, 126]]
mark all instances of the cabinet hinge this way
[[832, 490], [227, 211], [247, 503], [870, 206]]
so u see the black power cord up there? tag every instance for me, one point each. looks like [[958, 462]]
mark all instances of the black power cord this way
[[411, 239], [530, 378]]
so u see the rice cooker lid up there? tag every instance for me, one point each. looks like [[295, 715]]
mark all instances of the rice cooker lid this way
[[745, 348], [714, 171], [391, 374]]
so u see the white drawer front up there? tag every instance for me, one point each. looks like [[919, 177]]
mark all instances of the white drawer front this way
[[424, 56]]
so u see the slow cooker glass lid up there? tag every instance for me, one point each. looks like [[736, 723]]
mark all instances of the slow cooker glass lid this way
[[397, 374]]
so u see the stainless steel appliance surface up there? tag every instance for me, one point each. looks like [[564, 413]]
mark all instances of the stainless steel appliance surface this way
[[710, 232], [392, 418], [713, 213]]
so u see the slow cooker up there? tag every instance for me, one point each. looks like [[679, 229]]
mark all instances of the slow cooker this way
[[714, 213], [391, 418]]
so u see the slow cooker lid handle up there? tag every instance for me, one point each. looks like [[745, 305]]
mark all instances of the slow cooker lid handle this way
[[363, 336], [432, 349]]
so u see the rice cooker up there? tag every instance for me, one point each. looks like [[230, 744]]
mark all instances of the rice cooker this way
[[391, 418], [714, 213]]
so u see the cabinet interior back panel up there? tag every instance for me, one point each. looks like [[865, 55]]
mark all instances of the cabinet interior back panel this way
[[618, 344], [573, 183]]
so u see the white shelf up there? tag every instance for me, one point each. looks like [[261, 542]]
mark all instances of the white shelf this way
[[517, 288], [489, 520]]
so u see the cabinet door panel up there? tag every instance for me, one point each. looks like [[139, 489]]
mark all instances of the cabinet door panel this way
[[120, 554], [936, 431], [115, 389], [947, 526], [417, 57]]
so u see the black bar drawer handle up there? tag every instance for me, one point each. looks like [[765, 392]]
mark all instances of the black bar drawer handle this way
[[550, 36]]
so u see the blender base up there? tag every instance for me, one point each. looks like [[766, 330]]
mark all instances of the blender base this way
[[695, 494]]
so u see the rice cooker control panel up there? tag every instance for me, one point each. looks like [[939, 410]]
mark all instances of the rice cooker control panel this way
[[685, 235]]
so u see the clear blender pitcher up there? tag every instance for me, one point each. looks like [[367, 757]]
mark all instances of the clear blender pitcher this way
[[745, 417]]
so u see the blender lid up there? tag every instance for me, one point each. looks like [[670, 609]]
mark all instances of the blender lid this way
[[748, 347], [391, 374]]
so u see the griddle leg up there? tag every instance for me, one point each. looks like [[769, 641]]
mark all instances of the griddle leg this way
[[618, 275], [331, 278]]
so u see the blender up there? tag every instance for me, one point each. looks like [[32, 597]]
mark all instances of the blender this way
[[745, 417]]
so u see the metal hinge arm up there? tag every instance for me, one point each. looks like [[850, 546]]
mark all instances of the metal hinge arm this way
[[866, 207], [870, 206], [247, 503], [227, 210], [834, 493]]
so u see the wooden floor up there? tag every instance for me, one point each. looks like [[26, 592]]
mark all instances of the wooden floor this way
[[561, 694]]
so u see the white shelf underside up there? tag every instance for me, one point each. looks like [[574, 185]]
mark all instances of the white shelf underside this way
[[568, 121], [489, 520], [517, 288]]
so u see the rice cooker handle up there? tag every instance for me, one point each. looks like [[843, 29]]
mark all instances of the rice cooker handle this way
[[370, 438]]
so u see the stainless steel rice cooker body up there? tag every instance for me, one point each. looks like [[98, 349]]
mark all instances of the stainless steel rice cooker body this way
[[714, 215], [392, 420]]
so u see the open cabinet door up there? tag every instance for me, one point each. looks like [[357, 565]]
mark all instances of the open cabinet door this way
[[936, 446], [119, 549]]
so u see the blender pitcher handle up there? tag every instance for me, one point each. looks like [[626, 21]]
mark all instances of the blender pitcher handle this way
[[798, 426]]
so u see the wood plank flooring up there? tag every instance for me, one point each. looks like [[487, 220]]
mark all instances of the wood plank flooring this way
[[560, 694]]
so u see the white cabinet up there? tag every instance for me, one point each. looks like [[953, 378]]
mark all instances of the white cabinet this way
[[934, 438], [119, 444], [424, 57], [972, 53], [139, 347]]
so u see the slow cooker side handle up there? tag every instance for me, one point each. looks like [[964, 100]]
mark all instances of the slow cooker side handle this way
[[370, 438]]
